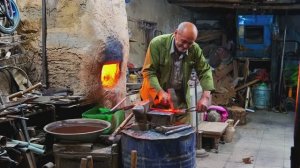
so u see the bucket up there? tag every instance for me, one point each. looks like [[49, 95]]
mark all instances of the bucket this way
[[155, 150], [261, 96]]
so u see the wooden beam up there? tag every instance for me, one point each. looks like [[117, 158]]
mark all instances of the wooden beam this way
[[246, 85], [238, 5]]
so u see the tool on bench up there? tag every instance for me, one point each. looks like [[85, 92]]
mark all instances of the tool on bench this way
[[172, 129]]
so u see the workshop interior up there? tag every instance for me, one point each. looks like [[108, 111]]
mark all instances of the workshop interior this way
[[72, 74]]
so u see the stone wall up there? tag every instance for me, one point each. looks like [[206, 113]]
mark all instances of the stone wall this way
[[167, 17], [75, 28]]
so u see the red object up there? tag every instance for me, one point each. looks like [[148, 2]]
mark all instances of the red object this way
[[130, 65], [262, 75]]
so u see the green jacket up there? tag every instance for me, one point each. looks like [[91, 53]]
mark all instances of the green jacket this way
[[157, 67]]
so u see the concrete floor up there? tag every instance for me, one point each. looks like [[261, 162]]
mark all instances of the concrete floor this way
[[267, 138]]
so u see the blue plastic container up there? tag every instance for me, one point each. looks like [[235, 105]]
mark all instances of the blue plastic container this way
[[261, 96], [155, 150]]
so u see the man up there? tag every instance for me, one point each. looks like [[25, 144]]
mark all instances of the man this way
[[169, 61]]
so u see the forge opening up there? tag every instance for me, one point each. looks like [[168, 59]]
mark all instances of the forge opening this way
[[110, 74]]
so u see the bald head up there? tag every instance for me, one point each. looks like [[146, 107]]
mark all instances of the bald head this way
[[187, 27], [185, 35]]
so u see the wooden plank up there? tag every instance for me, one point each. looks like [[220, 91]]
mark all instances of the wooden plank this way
[[246, 85], [239, 5], [212, 128], [83, 163]]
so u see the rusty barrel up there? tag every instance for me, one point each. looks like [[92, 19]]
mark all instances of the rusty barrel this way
[[155, 150]]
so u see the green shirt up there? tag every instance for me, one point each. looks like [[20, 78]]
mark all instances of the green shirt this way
[[157, 67]]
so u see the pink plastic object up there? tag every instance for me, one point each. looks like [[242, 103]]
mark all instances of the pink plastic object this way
[[221, 110]]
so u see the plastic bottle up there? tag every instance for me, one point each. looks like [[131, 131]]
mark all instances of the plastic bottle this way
[[230, 130], [229, 133]]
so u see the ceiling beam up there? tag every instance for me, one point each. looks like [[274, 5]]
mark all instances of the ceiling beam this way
[[235, 4]]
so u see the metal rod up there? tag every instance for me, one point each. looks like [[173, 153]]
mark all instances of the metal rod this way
[[118, 129], [178, 129], [281, 68], [18, 117], [44, 43], [118, 104], [198, 145]]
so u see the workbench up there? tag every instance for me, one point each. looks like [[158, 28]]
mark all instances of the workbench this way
[[213, 130], [70, 154]]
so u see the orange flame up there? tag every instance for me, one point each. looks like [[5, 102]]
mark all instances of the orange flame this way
[[110, 74]]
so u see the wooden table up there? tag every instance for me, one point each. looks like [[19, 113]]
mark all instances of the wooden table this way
[[213, 130]]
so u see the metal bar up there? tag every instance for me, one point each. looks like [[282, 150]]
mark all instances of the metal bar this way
[[117, 130], [44, 43], [118, 104], [198, 143], [178, 129], [16, 116], [281, 70]]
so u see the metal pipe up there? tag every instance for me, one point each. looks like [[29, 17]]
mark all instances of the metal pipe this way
[[44, 39], [32, 149], [198, 143], [178, 129], [22, 143], [281, 69], [36, 150]]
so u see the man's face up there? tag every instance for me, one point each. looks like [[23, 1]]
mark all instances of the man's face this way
[[183, 40]]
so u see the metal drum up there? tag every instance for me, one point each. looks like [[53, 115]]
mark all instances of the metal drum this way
[[155, 150]]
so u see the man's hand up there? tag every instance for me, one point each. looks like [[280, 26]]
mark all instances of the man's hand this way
[[203, 103], [163, 98]]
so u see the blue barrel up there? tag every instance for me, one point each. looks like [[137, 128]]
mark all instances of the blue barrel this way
[[155, 150], [261, 96]]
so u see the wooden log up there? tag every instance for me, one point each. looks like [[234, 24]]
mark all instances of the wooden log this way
[[90, 162], [83, 163], [133, 163]]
